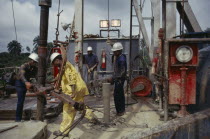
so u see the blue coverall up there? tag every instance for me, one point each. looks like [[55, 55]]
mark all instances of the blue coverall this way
[[26, 72], [120, 70]]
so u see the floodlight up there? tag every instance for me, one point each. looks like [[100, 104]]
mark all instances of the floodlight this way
[[104, 23], [115, 23], [65, 26]]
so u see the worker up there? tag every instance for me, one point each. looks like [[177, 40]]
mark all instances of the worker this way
[[91, 61], [23, 83], [120, 71], [156, 94], [72, 85]]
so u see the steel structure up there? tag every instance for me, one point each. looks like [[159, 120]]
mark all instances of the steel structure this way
[[42, 52], [79, 6]]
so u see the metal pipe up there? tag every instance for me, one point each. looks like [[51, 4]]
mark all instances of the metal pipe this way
[[182, 112], [189, 40], [106, 101], [79, 19], [164, 17], [42, 52], [131, 29], [131, 22], [165, 84]]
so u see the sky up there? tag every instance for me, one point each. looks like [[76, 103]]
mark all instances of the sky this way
[[27, 15]]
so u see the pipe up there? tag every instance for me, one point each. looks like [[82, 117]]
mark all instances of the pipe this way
[[182, 112], [165, 84], [106, 101], [164, 18], [189, 40], [42, 52]]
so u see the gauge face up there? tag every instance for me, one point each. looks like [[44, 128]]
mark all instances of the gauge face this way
[[184, 54]]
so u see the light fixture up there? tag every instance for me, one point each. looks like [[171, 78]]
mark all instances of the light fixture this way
[[184, 54], [65, 26], [104, 23], [115, 23]]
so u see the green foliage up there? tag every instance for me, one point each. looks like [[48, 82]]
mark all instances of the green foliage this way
[[36, 44], [9, 60], [14, 48], [28, 49]]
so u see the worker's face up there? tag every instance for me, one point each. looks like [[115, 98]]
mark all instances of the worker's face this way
[[57, 63], [117, 53], [90, 52], [33, 63]]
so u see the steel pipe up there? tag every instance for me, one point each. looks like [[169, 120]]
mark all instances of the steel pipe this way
[[106, 101]]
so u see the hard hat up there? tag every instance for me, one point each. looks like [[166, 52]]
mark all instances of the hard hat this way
[[53, 56], [34, 57], [89, 48], [117, 46]]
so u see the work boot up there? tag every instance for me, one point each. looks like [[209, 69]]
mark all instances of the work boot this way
[[59, 133], [120, 113]]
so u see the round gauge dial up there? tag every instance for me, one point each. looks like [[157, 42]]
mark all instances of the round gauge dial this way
[[184, 54]]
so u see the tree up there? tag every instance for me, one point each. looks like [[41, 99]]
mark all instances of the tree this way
[[36, 43], [14, 47], [28, 49]]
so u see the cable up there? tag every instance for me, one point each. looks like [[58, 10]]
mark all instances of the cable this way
[[14, 19], [57, 29]]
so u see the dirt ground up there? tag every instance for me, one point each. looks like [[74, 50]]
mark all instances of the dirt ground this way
[[139, 116]]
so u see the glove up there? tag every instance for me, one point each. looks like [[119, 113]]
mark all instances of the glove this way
[[28, 85]]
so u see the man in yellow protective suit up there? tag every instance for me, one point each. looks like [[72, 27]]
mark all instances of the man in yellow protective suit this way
[[73, 85]]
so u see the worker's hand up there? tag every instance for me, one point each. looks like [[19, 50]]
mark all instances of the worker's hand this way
[[56, 78], [72, 96], [28, 85], [89, 71]]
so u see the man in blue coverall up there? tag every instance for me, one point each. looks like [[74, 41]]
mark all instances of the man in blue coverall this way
[[22, 84], [120, 70], [91, 61]]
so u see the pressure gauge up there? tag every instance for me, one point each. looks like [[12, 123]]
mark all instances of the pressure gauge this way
[[184, 54]]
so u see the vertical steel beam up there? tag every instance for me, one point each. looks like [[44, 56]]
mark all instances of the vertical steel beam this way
[[165, 84], [131, 30], [190, 20], [142, 26], [42, 52], [79, 29], [170, 19], [164, 18], [156, 21]]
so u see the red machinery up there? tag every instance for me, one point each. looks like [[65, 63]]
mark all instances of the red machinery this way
[[182, 63], [103, 59], [141, 86]]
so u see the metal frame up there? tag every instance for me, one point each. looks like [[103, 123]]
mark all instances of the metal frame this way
[[103, 30]]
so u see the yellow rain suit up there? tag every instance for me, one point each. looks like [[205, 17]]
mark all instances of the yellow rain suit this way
[[72, 84]]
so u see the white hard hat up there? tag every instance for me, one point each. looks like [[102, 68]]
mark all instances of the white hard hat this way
[[117, 46], [89, 48], [34, 57], [53, 56]]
